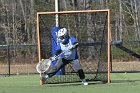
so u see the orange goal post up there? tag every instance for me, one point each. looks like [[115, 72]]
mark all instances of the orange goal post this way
[[93, 25]]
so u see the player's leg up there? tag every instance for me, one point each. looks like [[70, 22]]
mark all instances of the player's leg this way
[[77, 67], [54, 69], [60, 64]]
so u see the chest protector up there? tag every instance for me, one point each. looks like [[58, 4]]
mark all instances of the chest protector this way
[[69, 54]]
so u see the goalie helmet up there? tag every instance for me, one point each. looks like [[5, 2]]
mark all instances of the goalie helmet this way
[[63, 35]]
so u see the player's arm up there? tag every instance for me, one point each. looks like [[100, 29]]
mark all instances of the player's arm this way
[[58, 51], [74, 43]]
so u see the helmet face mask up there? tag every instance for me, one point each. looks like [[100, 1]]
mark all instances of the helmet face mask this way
[[62, 39], [63, 35]]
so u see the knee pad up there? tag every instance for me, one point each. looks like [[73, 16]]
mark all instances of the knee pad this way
[[81, 74]]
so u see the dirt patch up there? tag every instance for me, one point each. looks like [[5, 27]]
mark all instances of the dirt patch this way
[[126, 66], [30, 68], [18, 69]]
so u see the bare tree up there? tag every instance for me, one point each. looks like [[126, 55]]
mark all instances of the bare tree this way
[[136, 20], [120, 19]]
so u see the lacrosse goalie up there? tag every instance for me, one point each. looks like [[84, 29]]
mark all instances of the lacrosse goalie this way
[[68, 46]]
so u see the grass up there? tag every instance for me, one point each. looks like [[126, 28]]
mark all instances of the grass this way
[[121, 83]]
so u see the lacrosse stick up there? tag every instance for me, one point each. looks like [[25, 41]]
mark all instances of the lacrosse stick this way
[[45, 64]]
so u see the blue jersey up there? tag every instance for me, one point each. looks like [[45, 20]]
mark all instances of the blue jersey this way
[[69, 54]]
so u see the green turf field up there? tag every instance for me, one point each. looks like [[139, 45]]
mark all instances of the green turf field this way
[[121, 83]]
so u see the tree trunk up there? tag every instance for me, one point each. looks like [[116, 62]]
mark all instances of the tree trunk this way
[[32, 22], [120, 21], [136, 20]]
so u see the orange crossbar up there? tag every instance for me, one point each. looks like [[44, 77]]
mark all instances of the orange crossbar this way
[[72, 12]]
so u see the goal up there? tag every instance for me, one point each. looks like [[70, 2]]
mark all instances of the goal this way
[[92, 30]]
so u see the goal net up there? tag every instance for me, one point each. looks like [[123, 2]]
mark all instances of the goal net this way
[[91, 29]]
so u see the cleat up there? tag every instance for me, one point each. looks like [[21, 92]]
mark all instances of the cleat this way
[[46, 77], [84, 82]]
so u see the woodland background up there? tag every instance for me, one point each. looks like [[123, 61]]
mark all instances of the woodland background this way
[[18, 25]]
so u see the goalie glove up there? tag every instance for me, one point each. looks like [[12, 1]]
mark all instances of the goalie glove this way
[[53, 58], [70, 47]]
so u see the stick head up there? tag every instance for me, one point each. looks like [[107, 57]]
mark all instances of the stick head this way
[[43, 66]]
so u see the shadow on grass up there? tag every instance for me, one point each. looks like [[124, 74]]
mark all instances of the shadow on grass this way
[[74, 84], [124, 81]]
